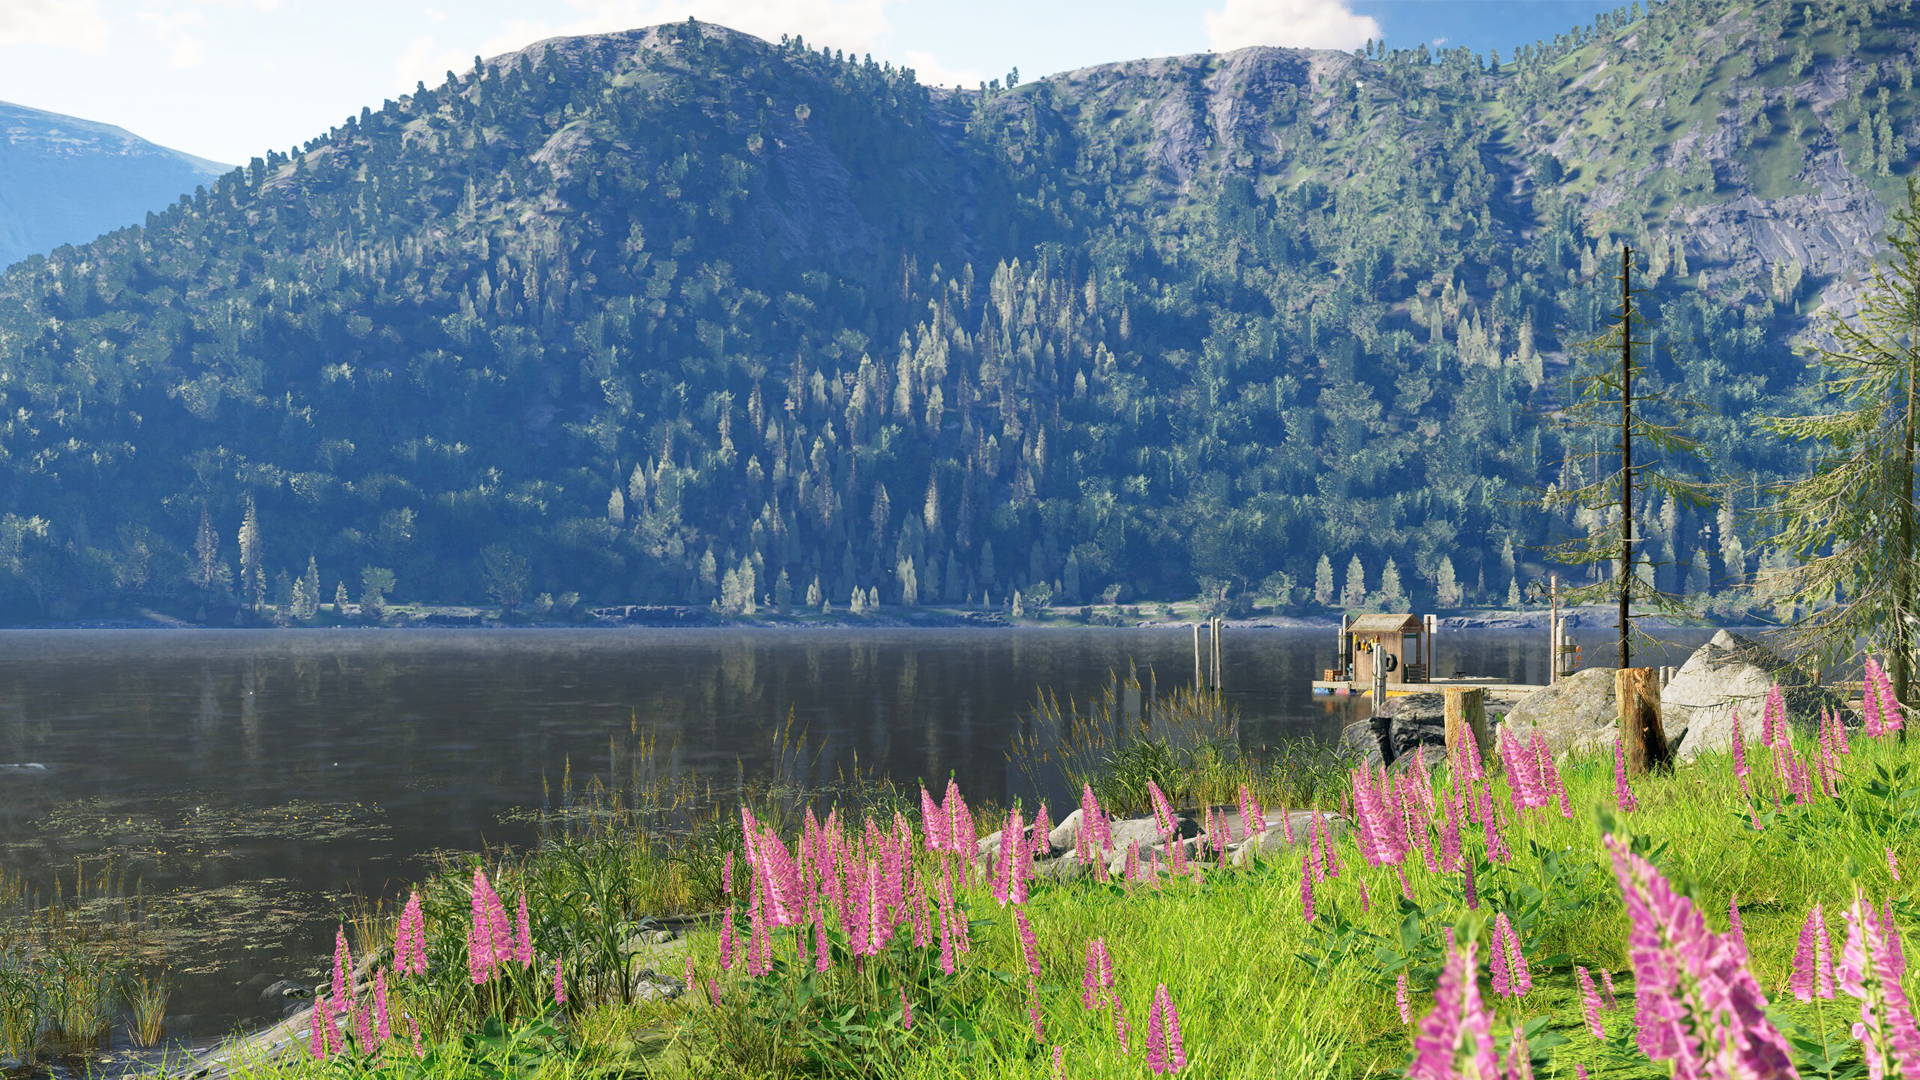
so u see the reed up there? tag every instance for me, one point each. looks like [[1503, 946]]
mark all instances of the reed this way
[[147, 995]]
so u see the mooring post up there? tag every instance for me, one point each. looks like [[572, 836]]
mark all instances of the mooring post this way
[[1553, 629], [1219, 638], [1466, 718], [1638, 692], [1197, 684]]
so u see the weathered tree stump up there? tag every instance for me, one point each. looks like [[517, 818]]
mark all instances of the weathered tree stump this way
[[1638, 692], [1466, 718]]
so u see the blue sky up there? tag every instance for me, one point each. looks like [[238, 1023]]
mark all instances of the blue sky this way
[[227, 79]]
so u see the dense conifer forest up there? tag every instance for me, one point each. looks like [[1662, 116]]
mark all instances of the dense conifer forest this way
[[682, 316]]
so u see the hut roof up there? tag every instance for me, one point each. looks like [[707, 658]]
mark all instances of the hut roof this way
[[1384, 624]]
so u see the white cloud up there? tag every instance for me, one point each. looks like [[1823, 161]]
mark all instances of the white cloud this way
[[434, 15], [930, 72], [1297, 24], [70, 24], [187, 53]]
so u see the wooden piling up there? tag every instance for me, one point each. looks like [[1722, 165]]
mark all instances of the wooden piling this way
[[1466, 718], [1198, 683], [1638, 692]]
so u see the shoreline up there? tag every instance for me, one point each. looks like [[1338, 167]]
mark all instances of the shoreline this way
[[632, 617]]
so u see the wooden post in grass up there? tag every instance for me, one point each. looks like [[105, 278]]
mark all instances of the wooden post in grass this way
[[1638, 692], [1466, 718]]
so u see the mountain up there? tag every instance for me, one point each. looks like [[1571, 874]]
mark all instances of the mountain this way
[[680, 315], [66, 181]]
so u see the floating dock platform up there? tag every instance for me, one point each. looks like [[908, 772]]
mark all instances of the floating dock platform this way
[[1491, 684]]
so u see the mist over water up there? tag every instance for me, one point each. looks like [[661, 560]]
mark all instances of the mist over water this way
[[254, 780]]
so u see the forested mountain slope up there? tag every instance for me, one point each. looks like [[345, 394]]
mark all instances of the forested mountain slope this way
[[663, 315], [65, 180]]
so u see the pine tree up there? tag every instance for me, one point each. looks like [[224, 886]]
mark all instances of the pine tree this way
[[253, 575], [206, 554], [1446, 585], [782, 592], [814, 596], [1733, 554], [1391, 592], [616, 509], [340, 598], [1514, 600], [1850, 528], [1323, 582], [1699, 577], [909, 584], [1355, 594], [311, 580]]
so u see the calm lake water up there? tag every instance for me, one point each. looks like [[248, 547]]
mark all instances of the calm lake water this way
[[253, 780]]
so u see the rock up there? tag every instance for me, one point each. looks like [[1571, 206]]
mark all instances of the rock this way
[[1413, 720], [284, 995], [1576, 713], [1726, 682], [1273, 839], [1064, 835]]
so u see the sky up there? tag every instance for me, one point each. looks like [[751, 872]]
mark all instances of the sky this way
[[228, 79]]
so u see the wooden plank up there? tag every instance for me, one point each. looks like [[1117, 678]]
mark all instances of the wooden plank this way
[[1637, 690]]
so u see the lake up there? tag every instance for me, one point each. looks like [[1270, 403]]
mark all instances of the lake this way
[[253, 780]]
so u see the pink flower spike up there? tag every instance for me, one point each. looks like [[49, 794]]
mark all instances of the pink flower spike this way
[[1606, 980], [316, 1025], [1029, 948], [1622, 793], [726, 942], [523, 937], [1090, 981], [559, 985], [382, 1029], [413, 1026], [1497, 946], [1162, 810], [906, 1010], [1579, 1072], [1773, 723], [1306, 888], [1251, 821], [1164, 1053], [1590, 1002], [1456, 1038], [1893, 864], [1736, 934], [1400, 999], [1042, 825]]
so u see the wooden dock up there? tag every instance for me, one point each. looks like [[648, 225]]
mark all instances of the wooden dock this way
[[1491, 684]]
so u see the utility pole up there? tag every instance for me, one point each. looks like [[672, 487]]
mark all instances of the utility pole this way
[[1626, 449]]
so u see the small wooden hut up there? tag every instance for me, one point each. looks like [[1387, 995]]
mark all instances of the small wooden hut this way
[[1403, 642]]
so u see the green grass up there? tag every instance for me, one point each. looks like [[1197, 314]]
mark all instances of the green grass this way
[[1260, 992]]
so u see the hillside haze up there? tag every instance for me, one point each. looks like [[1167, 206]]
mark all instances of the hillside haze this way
[[65, 181], [679, 315]]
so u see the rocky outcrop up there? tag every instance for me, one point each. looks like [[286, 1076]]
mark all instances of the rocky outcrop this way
[[1576, 713], [1725, 683], [1060, 862]]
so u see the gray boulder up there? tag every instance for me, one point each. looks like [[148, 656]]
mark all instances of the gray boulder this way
[[1576, 713], [1725, 683], [1413, 720]]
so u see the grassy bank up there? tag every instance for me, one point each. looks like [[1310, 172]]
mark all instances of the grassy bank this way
[[1259, 989]]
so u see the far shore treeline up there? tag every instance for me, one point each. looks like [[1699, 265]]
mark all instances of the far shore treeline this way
[[680, 316]]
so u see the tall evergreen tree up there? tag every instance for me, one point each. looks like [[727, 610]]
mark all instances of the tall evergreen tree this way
[[1323, 581], [1849, 526]]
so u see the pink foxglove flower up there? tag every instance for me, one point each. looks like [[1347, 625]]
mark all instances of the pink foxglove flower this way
[[1306, 888], [413, 1026], [382, 1028], [1773, 720], [342, 967], [1698, 1005], [1042, 826], [1893, 864], [1519, 1058], [1622, 793], [1736, 934], [1473, 893], [1091, 983], [1164, 1053], [1400, 999], [1033, 1013], [932, 822], [726, 942], [906, 1010], [1869, 970], [1521, 980], [1251, 821], [559, 985], [1162, 810], [1870, 700], [316, 1029], [1740, 769], [1590, 1003], [1029, 948], [1456, 1038], [1813, 959], [523, 937], [1606, 980]]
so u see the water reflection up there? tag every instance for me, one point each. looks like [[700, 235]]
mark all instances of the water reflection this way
[[300, 767]]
